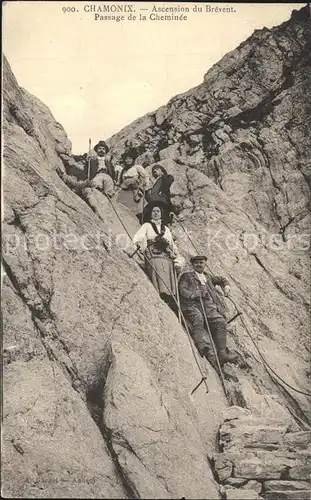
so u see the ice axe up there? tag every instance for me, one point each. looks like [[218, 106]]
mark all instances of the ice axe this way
[[137, 250], [234, 317]]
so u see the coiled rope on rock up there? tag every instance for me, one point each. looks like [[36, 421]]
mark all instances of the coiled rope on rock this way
[[239, 313]]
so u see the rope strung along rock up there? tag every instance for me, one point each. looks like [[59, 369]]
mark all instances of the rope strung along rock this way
[[266, 364], [239, 313]]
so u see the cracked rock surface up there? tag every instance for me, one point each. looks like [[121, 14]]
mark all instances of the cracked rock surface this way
[[238, 146], [93, 402]]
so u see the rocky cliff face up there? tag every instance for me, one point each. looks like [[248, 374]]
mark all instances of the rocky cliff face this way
[[98, 372], [245, 127]]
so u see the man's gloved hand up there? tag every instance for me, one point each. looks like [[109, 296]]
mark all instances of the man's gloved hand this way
[[170, 253], [219, 289], [200, 294], [227, 290]]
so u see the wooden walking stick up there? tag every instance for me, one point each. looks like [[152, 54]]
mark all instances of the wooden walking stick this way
[[89, 162], [214, 349], [177, 293], [143, 206]]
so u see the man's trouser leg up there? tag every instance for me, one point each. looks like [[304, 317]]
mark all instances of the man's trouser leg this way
[[103, 182], [108, 186], [218, 327], [197, 330]]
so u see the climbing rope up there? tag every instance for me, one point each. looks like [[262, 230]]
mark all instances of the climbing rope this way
[[177, 294], [186, 233], [203, 378], [239, 313], [265, 362]]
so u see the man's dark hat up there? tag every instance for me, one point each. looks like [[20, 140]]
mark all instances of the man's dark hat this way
[[160, 167], [197, 257], [101, 144]]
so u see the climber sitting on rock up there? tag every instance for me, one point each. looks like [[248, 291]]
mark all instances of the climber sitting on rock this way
[[196, 289], [100, 170], [96, 171], [98, 161]]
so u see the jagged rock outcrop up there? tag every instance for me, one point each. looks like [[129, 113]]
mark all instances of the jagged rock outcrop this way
[[246, 126], [98, 372]]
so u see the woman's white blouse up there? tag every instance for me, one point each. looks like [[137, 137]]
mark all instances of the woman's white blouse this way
[[146, 232]]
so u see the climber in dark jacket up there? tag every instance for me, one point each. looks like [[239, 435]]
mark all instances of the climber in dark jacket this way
[[197, 288], [159, 194], [98, 161], [96, 171]]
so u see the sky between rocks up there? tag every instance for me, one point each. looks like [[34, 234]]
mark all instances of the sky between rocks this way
[[98, 76]]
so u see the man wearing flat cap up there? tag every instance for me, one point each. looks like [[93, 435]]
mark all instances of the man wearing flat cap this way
[[196, 288]]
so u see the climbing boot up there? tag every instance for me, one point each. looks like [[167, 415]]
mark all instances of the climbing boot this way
[[211, 358], [220, 339], [225, 357]]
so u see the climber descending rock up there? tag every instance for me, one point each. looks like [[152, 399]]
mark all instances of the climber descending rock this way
[[197, 290], [133, 180], [133, 177], [154, 238], [159, 194]]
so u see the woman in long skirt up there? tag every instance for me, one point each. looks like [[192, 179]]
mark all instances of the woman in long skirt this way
[[161, 255], [159, 194]]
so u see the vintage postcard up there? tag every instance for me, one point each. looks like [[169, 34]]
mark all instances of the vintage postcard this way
[[155, 250]]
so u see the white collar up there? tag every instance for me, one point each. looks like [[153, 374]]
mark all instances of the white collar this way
[[201, 277]]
